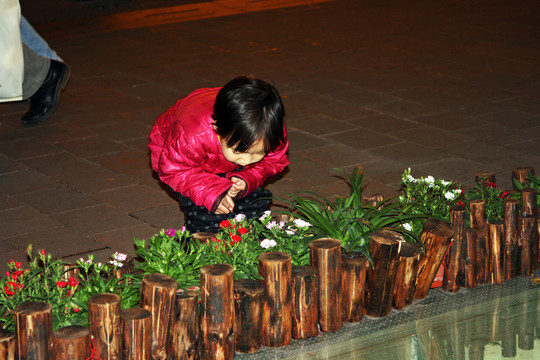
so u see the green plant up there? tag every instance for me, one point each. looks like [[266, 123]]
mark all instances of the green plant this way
[[173, 253], [532, 182], [493, 197], [428, 197], [347, 219]]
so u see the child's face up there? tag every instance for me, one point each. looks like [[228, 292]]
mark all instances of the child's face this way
[[254, 154]]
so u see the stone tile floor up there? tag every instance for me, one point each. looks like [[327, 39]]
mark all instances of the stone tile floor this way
[[449, 89]]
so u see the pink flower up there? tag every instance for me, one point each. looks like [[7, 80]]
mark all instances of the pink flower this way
[[170, 232]]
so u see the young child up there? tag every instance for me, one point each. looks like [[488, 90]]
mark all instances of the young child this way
[[216, 148]]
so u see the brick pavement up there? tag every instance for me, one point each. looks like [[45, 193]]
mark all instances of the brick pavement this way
[[448, 89]]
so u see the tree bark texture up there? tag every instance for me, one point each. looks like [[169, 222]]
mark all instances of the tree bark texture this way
[[527, 237], [276, 269], [325, 256], [485, 177], [480, 224], [520, 174], [72, 342], [305, 294], [217, 312], [8, 341], [353, 282], [136, 334], [405, 283], [158, 296], [436, 237], [511, 248], [249, 297], [455, 260], [105, 325], [185, 337], [496, 238], [528, 201], [33, 321], [470, 258], [380, 280]]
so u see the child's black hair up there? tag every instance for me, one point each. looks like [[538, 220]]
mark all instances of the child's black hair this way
[[246, 110]]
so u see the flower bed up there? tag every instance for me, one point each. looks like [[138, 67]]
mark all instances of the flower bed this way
[[352, 220]]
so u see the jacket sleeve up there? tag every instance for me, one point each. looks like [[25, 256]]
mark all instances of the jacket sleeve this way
[[256, 174], [180, 168]]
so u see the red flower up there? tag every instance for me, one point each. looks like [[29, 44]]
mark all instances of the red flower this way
[[72, 282], [8, 291], [8, 274], [236, 238], [491, 184], [14, 276], [18, 265], [225, 224], [18, 272], [213, 238], [76, 309], [503, 195], [461, 203], [61, 284], [42, 252], [242, 231]]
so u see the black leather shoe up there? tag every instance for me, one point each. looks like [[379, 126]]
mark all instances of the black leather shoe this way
[[45, 100]]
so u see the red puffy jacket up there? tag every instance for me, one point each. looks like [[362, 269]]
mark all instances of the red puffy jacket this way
[[186, 153]]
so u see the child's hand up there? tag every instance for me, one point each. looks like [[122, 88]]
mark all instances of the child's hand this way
[[238, 186], [226, 205]]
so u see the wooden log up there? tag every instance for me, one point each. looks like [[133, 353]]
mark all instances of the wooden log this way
[[158, 296], [485, 177], [33, 323], [353, 281], [527, 235], [249, 296], [8, 342], [528, 201], [217, 312], [496, 238], [202, 236], [520, 174], [380, 280], [185, 340], [480, 224], [470, 259], [375, 200], [511, 248], [325, 256], [276, 269], [71, 342], [527, 320], [454, 277], [105, 325], [436, 237], [508, 332], [136, 334], [305, 294], [409, 258]]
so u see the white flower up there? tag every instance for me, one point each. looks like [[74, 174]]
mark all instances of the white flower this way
[[411, 178], [119, 256], [445, 183], [239, 217], [290, 231], [449, 195], [265, 215], [267, 243], [401, 198], [457, 191], [301, 223], [116, 263], [271, 224], [430, 179], [281, 224], [407, 226]]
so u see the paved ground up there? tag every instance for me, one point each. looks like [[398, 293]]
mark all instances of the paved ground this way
[[446, 88]]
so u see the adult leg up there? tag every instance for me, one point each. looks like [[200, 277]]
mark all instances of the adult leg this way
[[34, 41], [44, 79]]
